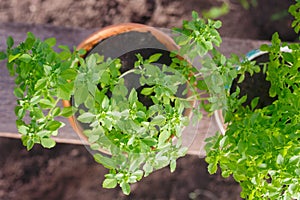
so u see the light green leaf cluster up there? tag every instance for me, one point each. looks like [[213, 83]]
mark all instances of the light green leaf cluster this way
[[198, 36], [294, 10], [141, 127], [43, 78], [140, 139], [261, 146]]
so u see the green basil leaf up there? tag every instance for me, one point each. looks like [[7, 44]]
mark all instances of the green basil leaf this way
[[149, 141], [23, 129], [147, 168], [50, 41], [132, 97], [53, 125], [138, 174], [279, 159], [158, 120], [154, 57], [173, 165], [13, 57], [125, 188], [38, 113], [223, 141], [65, 91], [28, 143], [56, 111], [47, 142], [105, 78], [68, 74], [147, 91], [105, 103], [80, 95], [109, 183], [40, 84], [86, 117], [105, 161], [46, 103], [25, 58], [10, 42], [163, 136], [254, 102], [18, 92], [212, 167], [68, 111]]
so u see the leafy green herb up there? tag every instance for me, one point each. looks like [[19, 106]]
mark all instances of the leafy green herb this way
[[139, 138], [294, 10], [40, 85], [260, 148]]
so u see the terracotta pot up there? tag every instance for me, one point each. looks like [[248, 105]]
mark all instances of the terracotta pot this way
[[128, 38]]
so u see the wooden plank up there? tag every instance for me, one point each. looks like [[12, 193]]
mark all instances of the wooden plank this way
[[193, 136]]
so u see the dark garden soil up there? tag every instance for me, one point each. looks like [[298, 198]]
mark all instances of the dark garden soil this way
[[69, 171], [255, 85]]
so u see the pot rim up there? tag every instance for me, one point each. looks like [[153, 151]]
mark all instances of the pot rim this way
[[112, 30]]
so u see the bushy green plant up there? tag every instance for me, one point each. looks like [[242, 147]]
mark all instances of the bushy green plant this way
[[41, 82], [140, 138], [261, 145], [294, 10]]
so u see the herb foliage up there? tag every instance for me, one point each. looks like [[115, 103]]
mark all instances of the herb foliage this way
[[260, 148], [41, 82], [261, 145], [139, 138]]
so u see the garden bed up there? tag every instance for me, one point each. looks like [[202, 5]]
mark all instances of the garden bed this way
[[69, 171]]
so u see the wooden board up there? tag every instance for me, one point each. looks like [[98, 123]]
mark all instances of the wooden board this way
[[193, 136]]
